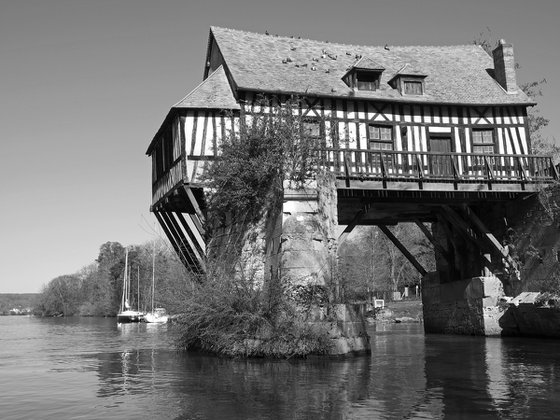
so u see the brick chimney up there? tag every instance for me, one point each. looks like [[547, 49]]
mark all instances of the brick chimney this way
[[504, 66]]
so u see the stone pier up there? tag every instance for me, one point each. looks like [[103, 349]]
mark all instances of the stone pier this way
[[466, 307]]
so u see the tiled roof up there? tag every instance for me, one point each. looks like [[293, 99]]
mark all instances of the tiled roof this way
[[454, 74], [367, 63], [214, 93], [407, 70]]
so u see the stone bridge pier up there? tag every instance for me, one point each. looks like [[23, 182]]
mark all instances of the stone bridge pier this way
[[471, 232]]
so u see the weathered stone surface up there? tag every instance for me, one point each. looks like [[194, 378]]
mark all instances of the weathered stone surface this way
[[465, 307]]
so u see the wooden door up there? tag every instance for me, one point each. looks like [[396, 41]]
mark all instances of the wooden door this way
[[441, 165]]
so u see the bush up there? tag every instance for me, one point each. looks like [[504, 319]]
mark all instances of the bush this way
[[229, 317]]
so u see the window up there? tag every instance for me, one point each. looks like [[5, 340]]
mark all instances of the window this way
[[408, 84], [483, 141], [380, 137], [312, 129], [363, 79], [413, 87], [367, 80]]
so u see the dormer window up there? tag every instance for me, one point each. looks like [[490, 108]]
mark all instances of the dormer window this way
[[365, 74], [413, 87], [367, 80], [408, 81]]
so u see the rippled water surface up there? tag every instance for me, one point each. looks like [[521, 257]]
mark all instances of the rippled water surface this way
[[89, 368]]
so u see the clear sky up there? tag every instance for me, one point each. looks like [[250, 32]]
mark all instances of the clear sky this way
[[84, 85]]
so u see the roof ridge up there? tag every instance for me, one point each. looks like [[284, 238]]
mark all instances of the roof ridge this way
[[198, 86], [293, 38]]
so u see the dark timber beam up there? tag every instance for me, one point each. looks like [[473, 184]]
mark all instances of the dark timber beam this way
[[191, 229], [355, 221], [490, 238], [171, 238], [186, 244], [179, 241], [464, 230], [195, 205], [444, 253], [403, 249]]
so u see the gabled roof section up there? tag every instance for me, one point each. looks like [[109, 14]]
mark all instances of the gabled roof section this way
[[408, 70], [458, 74], [213, 93], [366, 63]]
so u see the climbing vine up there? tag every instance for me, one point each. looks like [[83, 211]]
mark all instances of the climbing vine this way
[[273, 145]]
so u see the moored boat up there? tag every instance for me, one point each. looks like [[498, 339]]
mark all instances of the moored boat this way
[[126, 313], [157, 315]]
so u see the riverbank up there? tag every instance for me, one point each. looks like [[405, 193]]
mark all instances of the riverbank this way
[[404, 311]]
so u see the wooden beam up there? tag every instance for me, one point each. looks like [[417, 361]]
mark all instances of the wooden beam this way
[[183, 251], [403, 249], [457, 221], [463, 229], [191, 228], [355, 221], [194, 203], [171, 239], [187, 244], [491, 239], [444, 253]]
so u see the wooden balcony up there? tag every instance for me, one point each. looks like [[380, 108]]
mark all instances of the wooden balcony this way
[[414, 171], [165, 183], [401, 170]]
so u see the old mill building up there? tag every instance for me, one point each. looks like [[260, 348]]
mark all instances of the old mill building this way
[[425, 134]]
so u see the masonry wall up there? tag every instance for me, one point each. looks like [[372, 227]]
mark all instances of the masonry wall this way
[[465, 307]]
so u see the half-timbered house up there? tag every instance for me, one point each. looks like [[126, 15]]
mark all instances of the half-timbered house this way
[[409, 132]]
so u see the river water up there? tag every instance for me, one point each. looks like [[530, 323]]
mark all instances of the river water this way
[[92, 368]]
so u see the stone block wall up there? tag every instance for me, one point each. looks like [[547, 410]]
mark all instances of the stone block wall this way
[[466, 307]]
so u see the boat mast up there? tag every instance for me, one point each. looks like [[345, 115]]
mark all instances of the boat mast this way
[[125, 282], [153, 274], [138, 285]]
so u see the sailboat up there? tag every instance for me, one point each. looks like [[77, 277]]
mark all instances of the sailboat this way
[[157, 315], [126, 313]]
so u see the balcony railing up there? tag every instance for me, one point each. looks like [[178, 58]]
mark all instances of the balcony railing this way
[[166, 181], [456, 168]]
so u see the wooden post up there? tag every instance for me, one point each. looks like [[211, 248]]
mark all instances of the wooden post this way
[[435, 243], [355, 221], [403, 249]]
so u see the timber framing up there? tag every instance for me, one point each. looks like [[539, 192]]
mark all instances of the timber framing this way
[[444, 152], [411, 258]]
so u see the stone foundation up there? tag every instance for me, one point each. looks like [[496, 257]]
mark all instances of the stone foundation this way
[[527, 318], [346, 328], [465, 307]]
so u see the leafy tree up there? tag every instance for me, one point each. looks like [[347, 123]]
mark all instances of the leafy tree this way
[[111, 267], [96, 292], [371, 264], [61, 296]]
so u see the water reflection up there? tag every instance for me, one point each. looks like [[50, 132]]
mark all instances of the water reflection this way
[[96, 369], [409, 375]]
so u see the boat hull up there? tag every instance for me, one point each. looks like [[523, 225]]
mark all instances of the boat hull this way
[[130, 316], [159, 316]]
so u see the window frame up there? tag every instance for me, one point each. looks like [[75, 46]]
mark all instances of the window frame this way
[[315, 122], [483, 144], [372, 140], [409, 79], [374, 76], [374, 80]]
